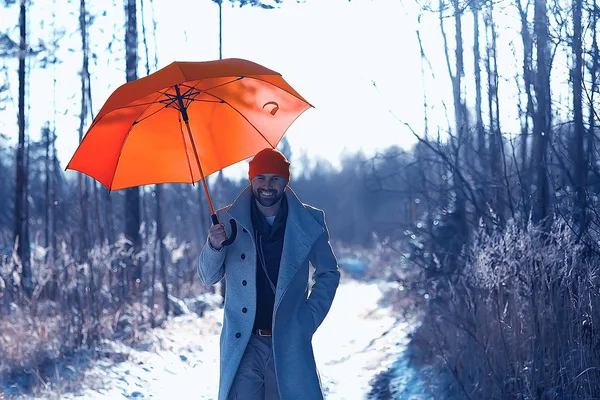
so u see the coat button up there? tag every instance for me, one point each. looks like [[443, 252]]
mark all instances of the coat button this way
[[244, 310], [238, 335], [244, 283], [243, 256]]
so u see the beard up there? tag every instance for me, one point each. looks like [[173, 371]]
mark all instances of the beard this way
[[267, 198]]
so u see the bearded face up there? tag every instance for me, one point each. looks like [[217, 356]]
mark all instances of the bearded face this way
[[268, 189]]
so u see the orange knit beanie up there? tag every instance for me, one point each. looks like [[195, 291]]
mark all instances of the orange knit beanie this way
[[269, 161]]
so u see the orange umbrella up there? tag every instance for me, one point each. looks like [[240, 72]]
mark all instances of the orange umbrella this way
[[185, 122]]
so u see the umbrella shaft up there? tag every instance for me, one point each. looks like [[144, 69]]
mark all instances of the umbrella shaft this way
[[202, 177], [184, 114]]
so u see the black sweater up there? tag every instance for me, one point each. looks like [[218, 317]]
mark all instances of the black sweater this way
[[269, 242]]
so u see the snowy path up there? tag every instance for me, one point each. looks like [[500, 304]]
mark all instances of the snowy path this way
[[356, 342]]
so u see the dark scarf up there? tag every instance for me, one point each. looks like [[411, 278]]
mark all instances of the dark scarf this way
[[269, 239]]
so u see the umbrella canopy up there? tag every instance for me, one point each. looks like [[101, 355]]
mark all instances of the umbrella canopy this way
[[185, 122]]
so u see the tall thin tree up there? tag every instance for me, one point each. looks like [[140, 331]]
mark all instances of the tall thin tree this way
[[580, 158], [220, 2], [20, 220], [594, 69], [132, 195], [528, 114], [460, 115], [159, 259], [82, 181], [47, 189], [543, 114], [495, 143], [481, 142]]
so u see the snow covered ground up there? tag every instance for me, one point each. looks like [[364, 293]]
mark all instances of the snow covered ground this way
[[357, 341]]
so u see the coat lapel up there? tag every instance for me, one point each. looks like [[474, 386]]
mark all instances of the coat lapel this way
[[301, 231], [240, 210]]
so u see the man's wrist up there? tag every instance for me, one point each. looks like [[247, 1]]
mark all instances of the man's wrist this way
[[213, 248]]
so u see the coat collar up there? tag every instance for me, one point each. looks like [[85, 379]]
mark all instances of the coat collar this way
[[298, 216]]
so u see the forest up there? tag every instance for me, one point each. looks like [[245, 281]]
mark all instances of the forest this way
[[496, 231]]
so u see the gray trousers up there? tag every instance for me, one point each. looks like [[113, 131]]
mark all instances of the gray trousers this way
[[255, 377]]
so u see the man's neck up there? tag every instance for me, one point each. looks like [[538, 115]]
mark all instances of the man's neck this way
[[269, 211]]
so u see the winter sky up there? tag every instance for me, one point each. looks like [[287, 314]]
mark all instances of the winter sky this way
[[357, 62]]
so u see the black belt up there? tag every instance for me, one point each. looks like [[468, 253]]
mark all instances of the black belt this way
[[263, 332]]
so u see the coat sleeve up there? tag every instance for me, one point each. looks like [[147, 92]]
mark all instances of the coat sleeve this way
[[326, 275], [211, 264]]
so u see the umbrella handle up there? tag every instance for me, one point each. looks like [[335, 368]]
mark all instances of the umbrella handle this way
[[227, 242]]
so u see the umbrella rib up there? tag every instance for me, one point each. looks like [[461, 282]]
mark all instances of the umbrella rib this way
[[214, 87], [123, 146], [190, 97], [148, 116], [244, 117], [136, 105], [167, 106]]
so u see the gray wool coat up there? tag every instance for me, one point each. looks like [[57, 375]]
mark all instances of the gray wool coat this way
[[297, 313]]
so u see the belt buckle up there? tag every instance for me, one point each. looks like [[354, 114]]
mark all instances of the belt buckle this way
[[264, 332]]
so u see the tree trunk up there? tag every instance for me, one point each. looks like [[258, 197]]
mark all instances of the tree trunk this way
[[47, 196], [153, 283], [461, 122], [98, 214], [220, 29], [26, 209], [543, 116], [423, 59], [529, 111], [161, 253], [54, 192], [595, 65], [459, 111], [132, 195], [481, 147], [82, 181], [20, 201], [579, 130], [541, 131], [496, 143]]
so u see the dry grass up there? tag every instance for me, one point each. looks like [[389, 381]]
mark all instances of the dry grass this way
[[48, 338], [520, 319], [26, 342]]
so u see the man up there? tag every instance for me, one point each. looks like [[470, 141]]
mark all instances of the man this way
[[270, 316]]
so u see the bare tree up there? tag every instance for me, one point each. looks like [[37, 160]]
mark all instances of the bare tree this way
[[496, 141], [528, 114], [481, 142], [82, 181], [161, 249], [459, 139], [220, 2], [48, 165], [132, 195], [594, 69], [20, 229], [160, 237], [543, 113], [579, 130]]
